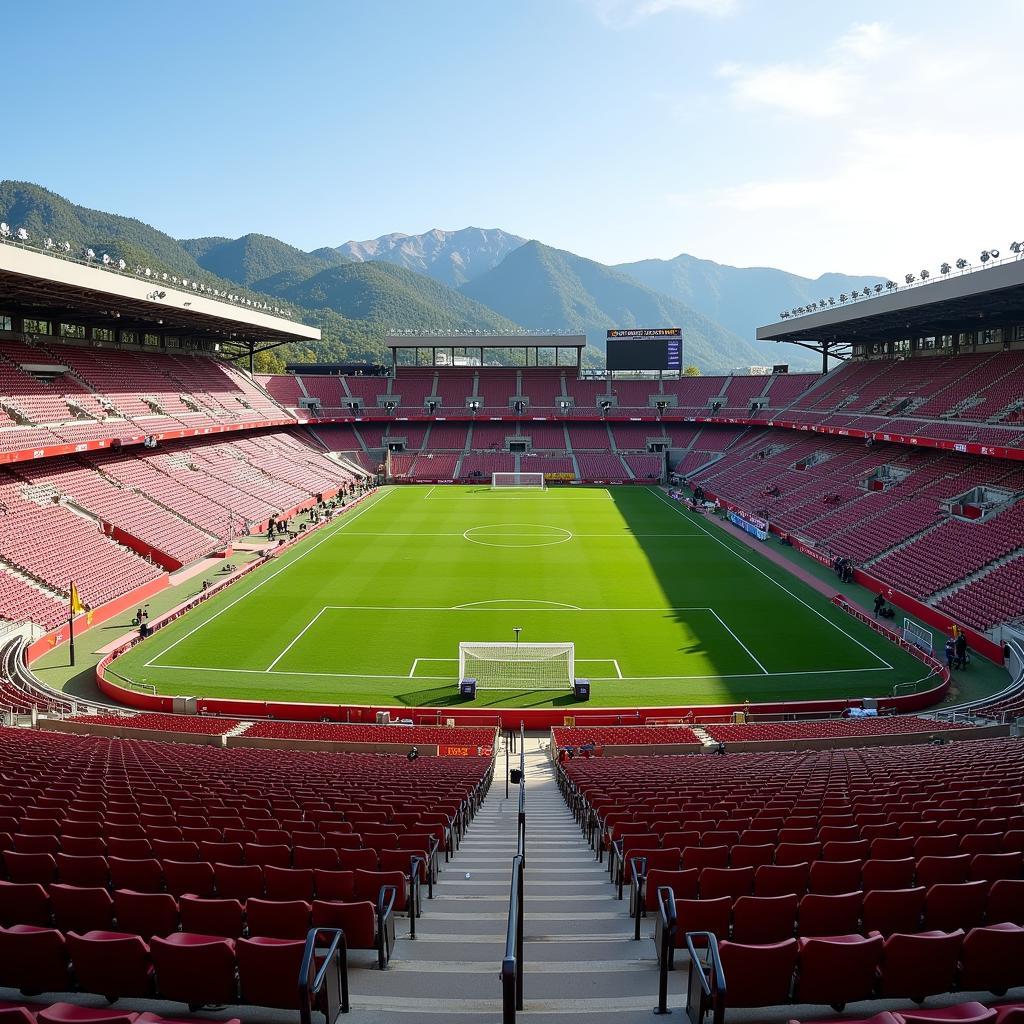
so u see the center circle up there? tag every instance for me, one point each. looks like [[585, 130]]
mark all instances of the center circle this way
[[517, 535]]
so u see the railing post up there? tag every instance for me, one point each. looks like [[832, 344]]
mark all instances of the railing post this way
[[519, 940]]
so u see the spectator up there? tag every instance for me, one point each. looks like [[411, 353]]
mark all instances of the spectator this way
[[879, 604]]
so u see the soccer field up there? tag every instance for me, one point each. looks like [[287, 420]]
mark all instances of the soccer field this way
[[663, 608]]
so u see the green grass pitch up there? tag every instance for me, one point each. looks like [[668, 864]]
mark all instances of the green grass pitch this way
[[663, 608]]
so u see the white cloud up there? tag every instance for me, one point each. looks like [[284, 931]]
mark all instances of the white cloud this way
[[868, 42], [820, 89], [808, 92], [621, 13]]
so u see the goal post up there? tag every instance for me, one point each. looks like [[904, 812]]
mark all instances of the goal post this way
[[505, 481], [917, 635], [523, 666]]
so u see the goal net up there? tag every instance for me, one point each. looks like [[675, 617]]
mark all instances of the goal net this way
[[505, 480], [917, 635], [504, 666]]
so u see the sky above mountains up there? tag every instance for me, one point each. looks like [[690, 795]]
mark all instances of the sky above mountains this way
[[811, 137]]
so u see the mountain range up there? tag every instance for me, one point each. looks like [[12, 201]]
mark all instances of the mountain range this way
[[473, 279]]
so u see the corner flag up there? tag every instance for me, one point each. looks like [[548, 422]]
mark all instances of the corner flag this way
[[76, 608]]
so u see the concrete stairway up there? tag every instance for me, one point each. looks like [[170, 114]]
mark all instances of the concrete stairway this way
[[581, 958]]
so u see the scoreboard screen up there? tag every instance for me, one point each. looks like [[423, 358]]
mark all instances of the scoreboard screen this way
[[645, 348]]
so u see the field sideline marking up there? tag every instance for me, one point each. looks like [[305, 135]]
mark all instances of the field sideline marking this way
[[345, 520], [470, 608], [298, 637], [750, 653], [758, 569], [576, 536]]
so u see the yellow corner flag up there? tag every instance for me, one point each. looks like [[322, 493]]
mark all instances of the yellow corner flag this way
[[76, 601]]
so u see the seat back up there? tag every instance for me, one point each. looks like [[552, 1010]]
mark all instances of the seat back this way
[[111, 964], [758, 975], [893, 910], [838, 969], [758, 920], [780, 879], [222, 917], [917, 966], [278, 919], [829, 914], [79, 909], [268, 969]]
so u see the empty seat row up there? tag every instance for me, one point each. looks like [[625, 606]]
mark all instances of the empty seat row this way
[[840, 969], [79, 909], [763, 919]]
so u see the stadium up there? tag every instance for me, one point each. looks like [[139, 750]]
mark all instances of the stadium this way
[[476, 690]]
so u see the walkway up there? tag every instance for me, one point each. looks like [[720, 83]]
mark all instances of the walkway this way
[[581, 958]]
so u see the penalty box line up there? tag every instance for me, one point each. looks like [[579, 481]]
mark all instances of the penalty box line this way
[[464, 608]]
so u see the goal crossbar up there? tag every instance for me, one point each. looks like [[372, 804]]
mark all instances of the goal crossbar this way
[[518, 666], [505, 481]]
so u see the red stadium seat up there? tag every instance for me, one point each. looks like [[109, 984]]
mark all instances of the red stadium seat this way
[[195, 969], [917, 966]]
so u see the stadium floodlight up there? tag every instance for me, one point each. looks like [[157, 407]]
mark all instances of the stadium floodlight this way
[[989, 254], [909, 278], [148, 272], [962, 264], [22, 235], [831, 300], [48, 243], [878, 289], [106, 260], [945, 268], [855, 294], [843, 296], [925, 275], [1017, 247], [121, 264], [5, 230], [66, 246], [89, 254]]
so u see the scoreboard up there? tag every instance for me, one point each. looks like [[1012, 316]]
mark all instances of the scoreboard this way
[[645, 348]]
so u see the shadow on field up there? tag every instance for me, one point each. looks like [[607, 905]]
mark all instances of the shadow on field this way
[[691, 574], [446, 697]]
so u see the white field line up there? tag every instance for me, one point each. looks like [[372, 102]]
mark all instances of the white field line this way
[[485, 526], [472, 608], [750, 653], [328, 534], [297, 638], [733, 551], [448, 678]]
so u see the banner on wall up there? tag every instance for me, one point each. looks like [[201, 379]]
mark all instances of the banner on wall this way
[[754, 525]]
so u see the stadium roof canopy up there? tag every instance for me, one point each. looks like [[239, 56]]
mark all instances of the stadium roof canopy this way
[[487, 341], [991, 295], [450, 343], [39, 286]]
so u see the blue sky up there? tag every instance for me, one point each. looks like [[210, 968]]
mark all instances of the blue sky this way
[[874, 138]]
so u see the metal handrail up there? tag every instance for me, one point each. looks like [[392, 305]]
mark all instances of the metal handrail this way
[[512, 963], [665, 944], [707, 979], [312, 979]]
